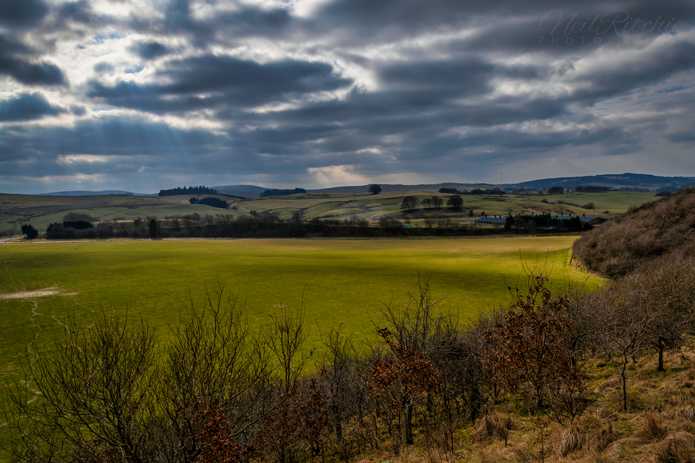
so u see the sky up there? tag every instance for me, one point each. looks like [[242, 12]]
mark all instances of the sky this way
[[147, 94]]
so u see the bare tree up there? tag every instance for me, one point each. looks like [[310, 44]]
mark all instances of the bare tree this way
[[624, 329], [339, 371], [668, 284], [90, 399], [530, 350], [408, 203], [216, 374], [406, 375], [285, 342]]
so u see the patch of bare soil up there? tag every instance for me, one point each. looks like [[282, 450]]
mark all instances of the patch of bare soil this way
[[44, 292]]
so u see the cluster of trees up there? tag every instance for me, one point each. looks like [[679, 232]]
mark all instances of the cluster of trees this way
[[281, 192], [269, 225], [74, 225], [263, 224], [188, 190], [474, 191], [486, 191], [219, 392], [29, 232], [544, 222], [592, 189], [78, 221], [410, 203], [374, 189], [211, 201]]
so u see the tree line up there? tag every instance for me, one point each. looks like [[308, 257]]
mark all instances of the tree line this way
[[268, 225], [188, 190], [221, 392], [210, 201], [281, 192], [410, 203]]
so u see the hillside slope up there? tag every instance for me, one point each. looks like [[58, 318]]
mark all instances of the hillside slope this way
[[619, 181], [642, 234], [660, 428]]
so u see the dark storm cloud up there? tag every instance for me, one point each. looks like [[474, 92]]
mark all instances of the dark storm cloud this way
[[78, 12], [652, 68], [571, 32], [542, 141], [387, 20], [75, 19], [31, 73], [506, 24], [444, 86], [387, 112], [222, 80], [112, 136], [682, 137], [249, 79], [129, 147], [17, 60], [464, 76], [243, 22], [430, 93], [25, 107], [150, 50], [22, 13]]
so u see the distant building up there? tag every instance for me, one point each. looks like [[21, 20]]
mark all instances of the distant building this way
[[492, 219], [582, 218]]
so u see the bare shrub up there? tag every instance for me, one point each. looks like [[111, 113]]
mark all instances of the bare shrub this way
[[523, 455], [283, 427], [602, 438], [687, 413], [652, 428], [92, 396], [405, 377], [215, 387], [677, 449], [571, 440], [491, 426], [622, 328], [530, 351]]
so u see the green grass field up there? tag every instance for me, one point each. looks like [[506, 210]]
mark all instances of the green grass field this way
[[342, 282]]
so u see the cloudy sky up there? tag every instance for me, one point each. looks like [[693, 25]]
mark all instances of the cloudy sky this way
[[146, 94]]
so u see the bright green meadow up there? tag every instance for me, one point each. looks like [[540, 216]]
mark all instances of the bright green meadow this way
[[342, 282]]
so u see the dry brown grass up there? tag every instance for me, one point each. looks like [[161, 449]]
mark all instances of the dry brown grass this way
[[571, 440], [620, 246], [493, 426], [679, 448], [652, 428], [660, 430]]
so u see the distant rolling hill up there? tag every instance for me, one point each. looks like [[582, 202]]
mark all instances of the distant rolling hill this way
[[90, 193], [246, 191], [399, 188], [617, 181]]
